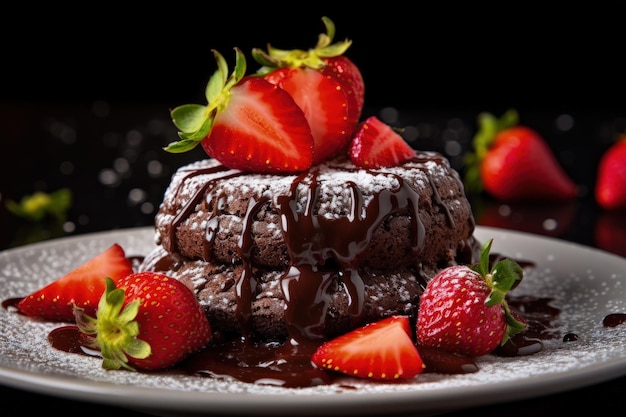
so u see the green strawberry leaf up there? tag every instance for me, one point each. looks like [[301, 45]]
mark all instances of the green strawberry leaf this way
[[37, 206], [488, 128], [313, 58], [195, 121], [189, 117], [115, 329], [482, 267], [504, 276]]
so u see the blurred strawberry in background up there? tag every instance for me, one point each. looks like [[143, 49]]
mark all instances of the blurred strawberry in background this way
[[512, 162], [610, 189]]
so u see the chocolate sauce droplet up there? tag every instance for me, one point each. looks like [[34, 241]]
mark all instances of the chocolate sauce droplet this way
[[614, 319]]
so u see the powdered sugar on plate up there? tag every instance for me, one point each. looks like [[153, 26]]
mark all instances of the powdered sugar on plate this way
[[585, 284]]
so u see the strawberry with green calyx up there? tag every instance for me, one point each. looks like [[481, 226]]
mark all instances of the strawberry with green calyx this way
[[83, 286], [464, 310], [610, 188], [248, 124], [512, 162], [327, 85], [149, 321]]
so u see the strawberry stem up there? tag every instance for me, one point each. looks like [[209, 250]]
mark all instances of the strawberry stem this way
[[115, 328], [195, 121], [297, 58], [488, 128], [505, 275]]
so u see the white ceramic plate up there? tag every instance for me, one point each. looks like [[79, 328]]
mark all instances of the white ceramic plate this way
[[588, 284]]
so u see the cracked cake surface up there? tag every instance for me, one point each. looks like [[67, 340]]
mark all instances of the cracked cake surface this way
[[315, 254]]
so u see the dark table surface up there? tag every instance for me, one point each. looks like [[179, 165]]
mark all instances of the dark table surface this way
[[109, 154]]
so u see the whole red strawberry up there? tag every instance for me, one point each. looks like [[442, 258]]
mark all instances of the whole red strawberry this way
[[512, 162], [148, 321], [610, 190], [326, 84], [248, 124], [463, 308]]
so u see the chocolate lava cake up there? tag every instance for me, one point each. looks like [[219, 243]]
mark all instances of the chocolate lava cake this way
[[313, 255]]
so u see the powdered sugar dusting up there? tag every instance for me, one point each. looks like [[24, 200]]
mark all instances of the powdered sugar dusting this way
[[585, 284]]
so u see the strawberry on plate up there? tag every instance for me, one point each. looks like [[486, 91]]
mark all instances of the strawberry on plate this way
[[512, 162], [378, 145], [383, 350], [326, 84], [83, 286], [610, 189], [148, 321], [463, 308], [249, 124]]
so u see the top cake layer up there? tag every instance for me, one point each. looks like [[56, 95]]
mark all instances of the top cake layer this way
[[415, 214]]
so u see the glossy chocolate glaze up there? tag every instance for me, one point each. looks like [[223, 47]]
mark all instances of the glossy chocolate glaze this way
[[289, 365], [322, 250]]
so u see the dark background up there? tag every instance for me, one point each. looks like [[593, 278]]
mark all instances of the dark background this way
[[85, 93], [424, 55]]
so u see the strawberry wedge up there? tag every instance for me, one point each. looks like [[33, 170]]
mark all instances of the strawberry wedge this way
[[83, 286]]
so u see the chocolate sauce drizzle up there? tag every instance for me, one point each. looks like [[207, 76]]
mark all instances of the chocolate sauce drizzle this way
[[246, 283], [315, 241], [186, 211], [322, 250]]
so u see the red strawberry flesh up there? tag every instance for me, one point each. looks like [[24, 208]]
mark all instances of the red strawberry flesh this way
[[382, 350], [83, 286]]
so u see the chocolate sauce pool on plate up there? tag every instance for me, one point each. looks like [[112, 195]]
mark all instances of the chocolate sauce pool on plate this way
[[289, 365]]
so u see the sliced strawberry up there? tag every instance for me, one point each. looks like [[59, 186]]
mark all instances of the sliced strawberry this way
[[327, 85], [323, 101], [383, 350], [610, 189], [261, 129], [82, 286], [248, 123], [377, 145]]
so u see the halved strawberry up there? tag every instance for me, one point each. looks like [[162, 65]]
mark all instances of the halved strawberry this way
[[383, 350], [327, 86], [260, 130], [82, 286], [323, 101], [377, 145], [249, 124]]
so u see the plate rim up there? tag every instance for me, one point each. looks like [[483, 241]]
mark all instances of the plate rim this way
[[159, 400]]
